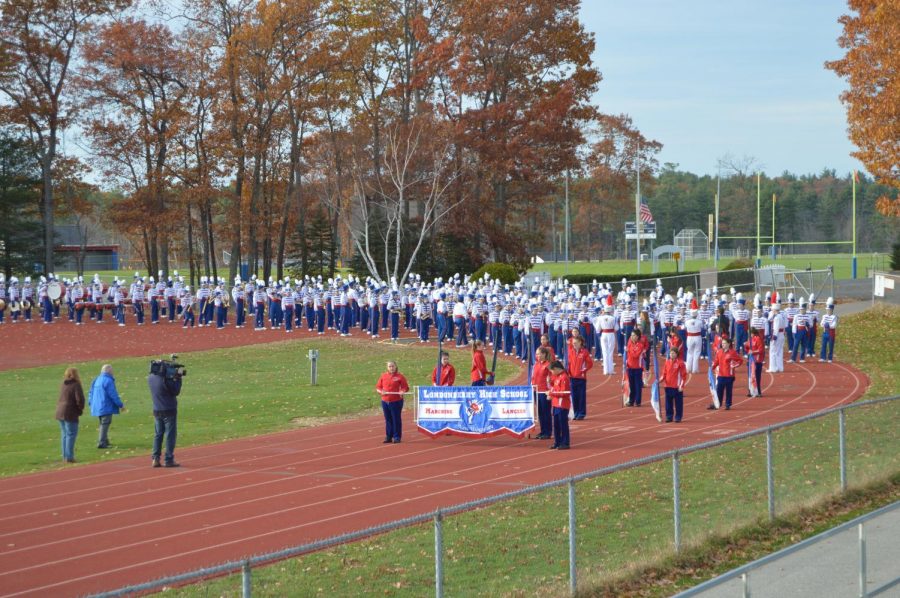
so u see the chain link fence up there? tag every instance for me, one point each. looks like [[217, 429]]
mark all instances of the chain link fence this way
[[653, 506]]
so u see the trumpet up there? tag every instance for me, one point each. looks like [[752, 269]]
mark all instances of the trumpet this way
[[226, 301]]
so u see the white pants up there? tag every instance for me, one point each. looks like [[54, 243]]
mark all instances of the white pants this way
[[608, 346], [693, 354], [776, 354]]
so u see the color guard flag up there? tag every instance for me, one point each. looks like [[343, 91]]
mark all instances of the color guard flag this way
[[654, 391], [751, 377], [626, 388], [712, 388]]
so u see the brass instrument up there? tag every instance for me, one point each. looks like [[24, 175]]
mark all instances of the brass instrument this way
[[26, 304], [15, 307], [2, 305]]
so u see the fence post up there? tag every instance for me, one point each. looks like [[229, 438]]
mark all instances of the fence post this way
[[770, 475], [438, 554], [676, 497], [842, 446], [245, 580], [863, 592], [745, 578], [573, 582]]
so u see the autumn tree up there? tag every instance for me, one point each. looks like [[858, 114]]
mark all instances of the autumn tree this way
[[38, 42], [133, 84], [871, 67]]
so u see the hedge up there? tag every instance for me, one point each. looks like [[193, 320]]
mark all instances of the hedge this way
[[505, 273]]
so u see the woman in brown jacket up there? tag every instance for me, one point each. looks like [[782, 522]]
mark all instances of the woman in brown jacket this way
[[68, 409]]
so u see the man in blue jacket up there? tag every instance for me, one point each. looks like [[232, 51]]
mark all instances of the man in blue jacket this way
[[164, 391], [105, 402]]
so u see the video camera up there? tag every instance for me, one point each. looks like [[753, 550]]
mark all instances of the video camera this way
[[168, 368]]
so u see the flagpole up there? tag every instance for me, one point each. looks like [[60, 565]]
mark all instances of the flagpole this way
[[567, 223], [637, 211], [718, 191], [758, 219]]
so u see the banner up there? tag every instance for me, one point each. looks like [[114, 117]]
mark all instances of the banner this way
[[475, 411]]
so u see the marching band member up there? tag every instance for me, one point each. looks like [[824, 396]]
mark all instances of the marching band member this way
[[170, 295], [3, 296], [479, 364], [392, 385], [187, 307], [137, 299], [15, 298], [395, 306], [46, 305], [97, 299], [634, 363], [560, 394], [813, 315], [789, 312], [540, 376], [27, 299], [259, 299], [287, 304], [829, 327], [580, 363], [459, 322], [606, 325], [801, 329], [673, 378], [119, 302], [237, 297], [776, 347], [741, 322], [693, 327], [423, 317], [218, 304], [756, 348], [77, 296], [448, 372], [724, 363]]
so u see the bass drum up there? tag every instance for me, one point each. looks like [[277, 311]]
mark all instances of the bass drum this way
[[54, 291]]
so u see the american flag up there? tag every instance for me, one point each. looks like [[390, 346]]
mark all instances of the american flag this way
[[646, 216]]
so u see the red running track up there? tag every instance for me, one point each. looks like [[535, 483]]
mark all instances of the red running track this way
[[99, 527]]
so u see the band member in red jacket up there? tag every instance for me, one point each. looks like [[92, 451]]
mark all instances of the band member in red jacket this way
[[560, 399], [673, 377], [479, 364], [392, 385], [580, 363], [724, 365], [756, 347], [635, 354], [448, 372], [540, 379]]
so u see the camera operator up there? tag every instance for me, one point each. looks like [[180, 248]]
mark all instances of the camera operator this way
[[165, 384]]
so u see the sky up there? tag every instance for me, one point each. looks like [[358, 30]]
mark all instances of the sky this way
[[710, 78]]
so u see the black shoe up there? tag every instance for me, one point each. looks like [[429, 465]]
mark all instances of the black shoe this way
[[554, 446], [711, 408], [677, 421], [155, 463], [727, 407], [396, 441], [749, 395], [387, 440], [668, 420], [172, 464], [629, 404], [563, 447], [103, 446]]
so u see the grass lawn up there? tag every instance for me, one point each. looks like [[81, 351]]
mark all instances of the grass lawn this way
[[840, 261], [228, 393], [624, 520]]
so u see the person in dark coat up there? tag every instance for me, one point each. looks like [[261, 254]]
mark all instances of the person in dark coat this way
[[69, 408], [164, 392]]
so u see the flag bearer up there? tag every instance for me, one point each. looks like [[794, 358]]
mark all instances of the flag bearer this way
[[829, 329]]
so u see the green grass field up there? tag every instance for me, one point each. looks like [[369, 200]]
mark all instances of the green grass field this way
[[840, 262], [228, 393], [624, 520]]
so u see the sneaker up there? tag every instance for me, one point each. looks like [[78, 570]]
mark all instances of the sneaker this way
[[172, 464], [554, 446], [387, 440], [802, 361], [396, 441], [711, 408], [155, 462], [790, 361], [563, 447]]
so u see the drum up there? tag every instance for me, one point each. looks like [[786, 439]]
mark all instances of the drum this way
[[54, 291], [79, 305], [2, 305]]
